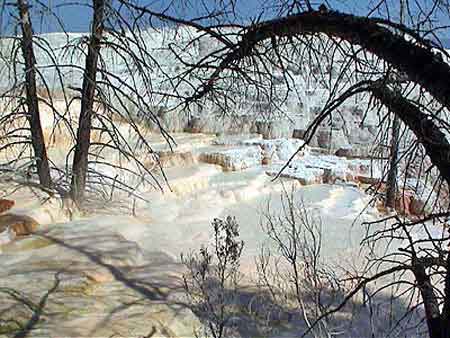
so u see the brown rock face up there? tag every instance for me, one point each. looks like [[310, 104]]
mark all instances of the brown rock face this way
[[367, 180], [406, 203], [381, 207], [410, 205], [266, 160], [20, 224], [172, 159], [417, 207], [5, 205], [403, 204]]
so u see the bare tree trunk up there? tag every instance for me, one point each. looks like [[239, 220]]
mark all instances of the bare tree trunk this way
[[80, 161], [33, 116], [392, 175], [433, 318], [427, 132], [445, 314]]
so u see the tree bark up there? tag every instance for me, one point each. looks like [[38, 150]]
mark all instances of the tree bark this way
[[80, 160], [392, 174], [422, 125], [445, 314], [33, 115], [418, 62], [435, 328]]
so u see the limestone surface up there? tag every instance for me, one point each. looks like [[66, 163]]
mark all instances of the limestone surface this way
[[85, 281]]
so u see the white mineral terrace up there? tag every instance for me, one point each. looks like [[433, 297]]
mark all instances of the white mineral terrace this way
[[120, 273]]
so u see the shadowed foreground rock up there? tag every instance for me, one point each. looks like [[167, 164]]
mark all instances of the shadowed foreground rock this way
[[5, 205], [21, 225], [85, 282], [12, 225]]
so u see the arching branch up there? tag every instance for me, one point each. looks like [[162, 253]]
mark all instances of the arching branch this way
[[420, 63], [422, 125]]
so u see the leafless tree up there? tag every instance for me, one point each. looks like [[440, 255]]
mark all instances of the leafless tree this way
[[367, 48], [111, 106], [80, 159], [291, 265], [394, 151], [37, 137], [30, 102], [350, 56]]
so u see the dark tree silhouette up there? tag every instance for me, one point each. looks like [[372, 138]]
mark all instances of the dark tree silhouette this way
[[244, 55], [80, 159], [33, 116], [247, 53]]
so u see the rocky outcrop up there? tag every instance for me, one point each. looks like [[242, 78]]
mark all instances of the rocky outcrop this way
[[219, 124], [170, 159], [367, 180], [349, 139], [234, 159], [5, 205], [273, 129], [277, 149], [407, 203], [355, 151], [236, 140], [314, 167], [12, 226], [21, 225], [299, 172], [238, 125], [332, 139], [169, 120]]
